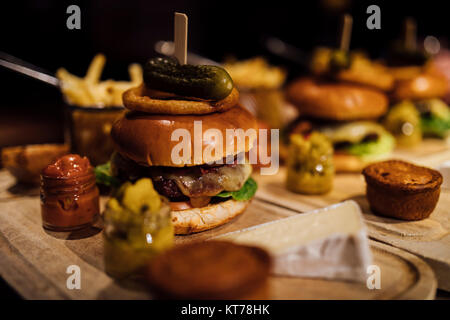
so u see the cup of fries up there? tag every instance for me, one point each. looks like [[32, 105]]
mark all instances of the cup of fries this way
[[92, 106]]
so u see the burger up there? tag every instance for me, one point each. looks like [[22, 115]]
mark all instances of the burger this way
[[420, 85], [426, 90], [418, 95], [346, 114], [207, 184]]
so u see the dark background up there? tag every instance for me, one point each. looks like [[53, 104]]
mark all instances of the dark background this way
[[125, 31]]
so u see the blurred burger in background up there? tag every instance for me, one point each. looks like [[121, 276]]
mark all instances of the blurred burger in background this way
[[345, 113], [420, 88]]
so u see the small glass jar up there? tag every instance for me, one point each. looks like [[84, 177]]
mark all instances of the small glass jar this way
[[310, 168], [69, 203], [131, 241]]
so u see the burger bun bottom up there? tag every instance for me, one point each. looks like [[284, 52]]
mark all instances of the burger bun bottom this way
[[213, 215], [348, 163]]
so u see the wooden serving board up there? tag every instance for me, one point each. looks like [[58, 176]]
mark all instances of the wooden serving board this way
[[429, 238], [34, 261]]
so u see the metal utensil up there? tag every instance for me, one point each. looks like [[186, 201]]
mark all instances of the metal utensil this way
[[20, 66]]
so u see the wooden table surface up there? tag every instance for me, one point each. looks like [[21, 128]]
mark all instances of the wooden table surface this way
[[34, 261]]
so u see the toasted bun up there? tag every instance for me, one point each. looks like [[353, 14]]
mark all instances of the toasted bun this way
[[336, 101], [344, 162], [147, 138], [205, 218], [139, 99], [210, 270], [348, 163], [422, 86]]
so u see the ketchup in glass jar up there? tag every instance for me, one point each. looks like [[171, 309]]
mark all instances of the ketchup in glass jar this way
[[69, 195]]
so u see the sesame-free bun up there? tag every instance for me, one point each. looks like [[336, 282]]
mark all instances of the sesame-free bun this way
[[336, 101], [422, 86], [149, 101], [344, 162], [210, 270], [213, 215], [147, 138]]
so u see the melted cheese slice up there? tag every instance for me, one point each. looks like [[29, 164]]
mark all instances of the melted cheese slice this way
[[329, 243]]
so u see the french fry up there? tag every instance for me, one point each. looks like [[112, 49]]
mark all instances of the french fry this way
[[135, 71], [66, 76], [90, 91], [95, 69], [116, 89], [77, 96], [74, 88]]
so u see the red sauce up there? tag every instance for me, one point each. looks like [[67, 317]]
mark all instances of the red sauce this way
[[68, 166], [69, 195]]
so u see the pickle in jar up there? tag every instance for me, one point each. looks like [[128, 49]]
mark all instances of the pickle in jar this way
[[310, 168], [403, 121], [198, 81], [137, 227]]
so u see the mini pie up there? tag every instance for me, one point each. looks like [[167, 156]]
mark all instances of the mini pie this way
[[402, 190]]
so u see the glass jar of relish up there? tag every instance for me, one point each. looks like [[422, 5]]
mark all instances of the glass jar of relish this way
[[138, 226], [310, 168], [69, 195]]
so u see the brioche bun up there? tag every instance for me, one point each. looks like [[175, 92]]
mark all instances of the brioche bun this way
[[348, 163], [146, 138], [213, 215], [336, 101], [422, 86], [211, 270], [344, 162], [140, 99]]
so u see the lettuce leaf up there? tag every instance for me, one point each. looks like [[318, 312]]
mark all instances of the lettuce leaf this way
[[104, 176], [247, 191], [435, 126], [383, 145]]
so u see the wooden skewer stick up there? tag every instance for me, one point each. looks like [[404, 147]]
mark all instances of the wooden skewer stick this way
[[180, 37], [410, 34], [346, 32]]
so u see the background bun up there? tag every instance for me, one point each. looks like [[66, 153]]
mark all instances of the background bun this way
[[336, 101], [423, 86], [205, 218], [146, 138], [139, 99], [348, 163]]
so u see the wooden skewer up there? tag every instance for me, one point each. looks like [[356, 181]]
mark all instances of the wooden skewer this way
[[410, 34], [180, 37], [346, 32]]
